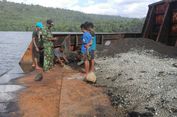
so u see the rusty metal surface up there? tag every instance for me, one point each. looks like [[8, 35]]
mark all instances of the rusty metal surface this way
[[160, 24], [26, 60], [71, 97]]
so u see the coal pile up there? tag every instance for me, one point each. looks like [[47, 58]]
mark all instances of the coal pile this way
[[140, 76], [126, 44]]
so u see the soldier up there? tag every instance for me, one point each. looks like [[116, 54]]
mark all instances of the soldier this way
[[36, 45], [47, 39]]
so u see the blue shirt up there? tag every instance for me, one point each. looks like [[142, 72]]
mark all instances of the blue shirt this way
[[87, 37]]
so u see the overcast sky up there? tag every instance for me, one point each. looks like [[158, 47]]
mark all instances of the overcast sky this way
[[127, 8]]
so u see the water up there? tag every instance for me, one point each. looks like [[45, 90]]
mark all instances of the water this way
[[12, 48]]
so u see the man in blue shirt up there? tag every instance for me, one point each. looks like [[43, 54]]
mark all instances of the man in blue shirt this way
[[85, 48], [90, 27]]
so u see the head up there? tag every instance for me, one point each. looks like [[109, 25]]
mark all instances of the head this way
[[83, 27], [39, 25], [49, 23], [89, 26], [62, 48]]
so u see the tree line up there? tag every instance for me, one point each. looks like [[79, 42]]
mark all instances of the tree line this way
[[22, 17]]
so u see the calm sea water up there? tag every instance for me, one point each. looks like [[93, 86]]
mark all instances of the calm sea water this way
[[12, 48]]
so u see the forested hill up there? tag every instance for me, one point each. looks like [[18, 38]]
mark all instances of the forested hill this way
[[21, 17]]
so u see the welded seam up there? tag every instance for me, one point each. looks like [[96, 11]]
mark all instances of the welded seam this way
[[60, 92]]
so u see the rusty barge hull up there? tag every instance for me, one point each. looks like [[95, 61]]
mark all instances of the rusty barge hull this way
[[161, 22]]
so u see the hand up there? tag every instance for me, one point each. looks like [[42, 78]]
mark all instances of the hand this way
[[52, 39], [87, 46], [37, 49], [55, 38]]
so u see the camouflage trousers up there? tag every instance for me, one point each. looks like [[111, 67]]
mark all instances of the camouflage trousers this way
[[48, 58]]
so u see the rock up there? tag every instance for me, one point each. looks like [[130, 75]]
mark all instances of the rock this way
[[130, 79], [174, 110], [108, 78], [161, 73], [38, 77], [150, 109], [119, 74], [137, 114], [175, 65], [114, 78], [143, 71]]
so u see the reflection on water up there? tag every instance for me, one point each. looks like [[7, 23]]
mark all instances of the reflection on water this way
[[11, 74], [3, 107], [9, 88], [12, 47], [7, 96]]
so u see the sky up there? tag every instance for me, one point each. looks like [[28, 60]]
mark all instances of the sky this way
[[125, 8]]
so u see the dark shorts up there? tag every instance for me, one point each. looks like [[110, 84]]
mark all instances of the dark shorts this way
[[90, 56], [35, 53]]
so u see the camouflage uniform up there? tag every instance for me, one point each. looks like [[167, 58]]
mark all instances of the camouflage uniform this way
[[48, 49]]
